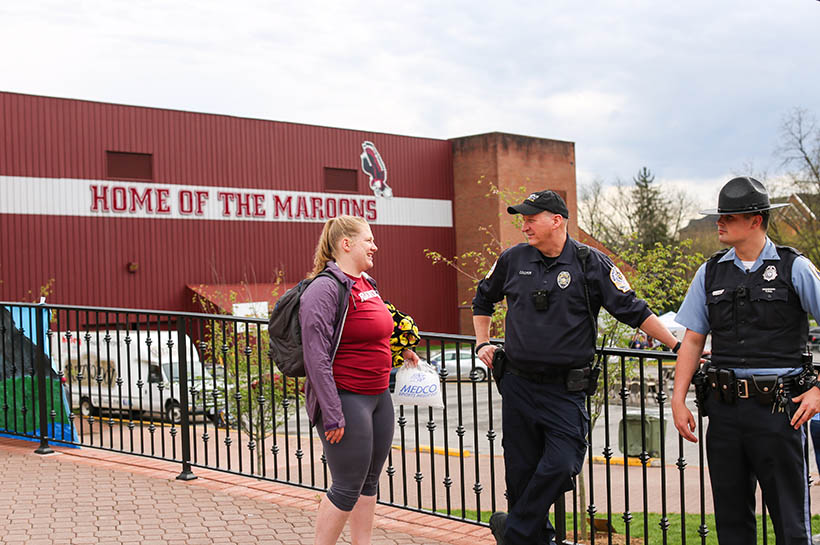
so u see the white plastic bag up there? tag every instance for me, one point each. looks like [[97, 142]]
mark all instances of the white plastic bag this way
[[418, 385]]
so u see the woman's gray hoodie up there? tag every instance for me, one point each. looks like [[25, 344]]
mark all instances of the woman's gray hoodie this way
[[321, 333]]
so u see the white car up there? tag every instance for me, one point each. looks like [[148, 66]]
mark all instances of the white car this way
[[459, 365]]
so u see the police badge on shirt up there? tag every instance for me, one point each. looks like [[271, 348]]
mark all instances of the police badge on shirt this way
[[563, 280]]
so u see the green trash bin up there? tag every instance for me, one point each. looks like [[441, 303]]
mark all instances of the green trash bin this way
[[629, 434]]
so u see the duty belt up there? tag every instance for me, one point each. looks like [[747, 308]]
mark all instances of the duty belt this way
[[727, 387], [557, 376], [745, 392]]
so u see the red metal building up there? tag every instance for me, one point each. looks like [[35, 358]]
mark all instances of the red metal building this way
[[122, 206]]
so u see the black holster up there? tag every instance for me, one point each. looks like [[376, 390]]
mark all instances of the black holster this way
[[583, 379], [499, 366], [702, 390], [806, 380], [594, 374]]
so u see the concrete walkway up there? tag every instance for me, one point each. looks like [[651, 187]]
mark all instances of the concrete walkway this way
[[87, 496]]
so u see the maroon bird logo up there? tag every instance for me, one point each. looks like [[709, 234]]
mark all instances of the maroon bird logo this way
[[373, 166]]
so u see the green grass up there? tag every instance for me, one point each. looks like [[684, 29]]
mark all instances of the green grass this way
[[673, 535]]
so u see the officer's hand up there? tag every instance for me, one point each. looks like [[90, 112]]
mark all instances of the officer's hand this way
[[809, 406], [334, 436], [486, 354], [684, 420], [411, 359]]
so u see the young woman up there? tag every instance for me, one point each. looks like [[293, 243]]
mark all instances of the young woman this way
[[347, 362]]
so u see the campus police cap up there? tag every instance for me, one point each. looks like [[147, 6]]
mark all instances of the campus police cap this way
[[538, 202], [741, 196]]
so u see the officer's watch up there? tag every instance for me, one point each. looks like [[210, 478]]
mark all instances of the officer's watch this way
[[676, 347], [480, 346]]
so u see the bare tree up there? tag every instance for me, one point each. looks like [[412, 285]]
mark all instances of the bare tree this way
[[799, 149], [641, 213], [593, 208]]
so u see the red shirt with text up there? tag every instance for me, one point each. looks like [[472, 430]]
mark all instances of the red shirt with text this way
[[362, 363]]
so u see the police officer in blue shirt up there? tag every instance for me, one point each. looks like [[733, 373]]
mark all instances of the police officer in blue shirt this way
[[758, 390], [555, 288]]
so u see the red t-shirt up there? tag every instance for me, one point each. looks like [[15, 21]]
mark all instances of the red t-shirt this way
[[362, 363]]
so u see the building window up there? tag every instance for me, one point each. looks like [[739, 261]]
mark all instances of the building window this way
[[341, 179], [131, 166]]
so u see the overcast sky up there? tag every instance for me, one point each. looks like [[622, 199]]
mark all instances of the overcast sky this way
[[696, 90]]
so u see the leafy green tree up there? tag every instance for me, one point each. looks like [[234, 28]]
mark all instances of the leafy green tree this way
[[475, 264], [660, 275], [258, 396]]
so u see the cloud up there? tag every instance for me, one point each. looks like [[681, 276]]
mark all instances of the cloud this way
[[692, 90]]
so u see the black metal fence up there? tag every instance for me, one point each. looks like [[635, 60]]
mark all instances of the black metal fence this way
[[201, 390]]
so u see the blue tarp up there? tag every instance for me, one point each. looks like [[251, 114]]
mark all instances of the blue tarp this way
[[20, 349]]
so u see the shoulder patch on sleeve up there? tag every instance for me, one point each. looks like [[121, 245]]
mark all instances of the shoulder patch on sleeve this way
[[618, 279], [490, 272]]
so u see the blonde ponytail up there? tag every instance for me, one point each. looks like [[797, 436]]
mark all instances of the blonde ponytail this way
[[335, 229]]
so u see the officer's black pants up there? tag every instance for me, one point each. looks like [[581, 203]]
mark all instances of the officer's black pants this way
[[545, 430], [746, 443]]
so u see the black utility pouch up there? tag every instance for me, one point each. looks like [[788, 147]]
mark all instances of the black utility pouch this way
[[499, 366], [765, 387], [727, 385], [577, 379]]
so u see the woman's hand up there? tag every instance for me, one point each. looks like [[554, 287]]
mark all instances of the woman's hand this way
[[411, 359], [334, 436]]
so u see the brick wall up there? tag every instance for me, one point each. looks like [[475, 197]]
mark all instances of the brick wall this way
[[509, 161]]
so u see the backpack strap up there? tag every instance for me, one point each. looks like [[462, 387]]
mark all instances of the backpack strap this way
[[342, 292]]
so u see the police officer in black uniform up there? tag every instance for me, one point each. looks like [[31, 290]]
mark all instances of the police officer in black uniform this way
[[555, 288], [758, 390]]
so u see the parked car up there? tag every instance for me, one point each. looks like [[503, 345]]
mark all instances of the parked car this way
[[459, 365], [814, 338], [395, 370]]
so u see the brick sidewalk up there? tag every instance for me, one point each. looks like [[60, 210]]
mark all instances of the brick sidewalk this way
[[87, 496]]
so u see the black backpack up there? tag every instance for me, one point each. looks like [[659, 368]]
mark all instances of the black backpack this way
[[286, 333]]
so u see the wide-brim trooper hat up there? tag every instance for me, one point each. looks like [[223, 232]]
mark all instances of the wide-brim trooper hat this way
[[742, 196]]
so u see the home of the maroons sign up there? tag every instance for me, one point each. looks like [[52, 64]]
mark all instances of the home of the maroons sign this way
[[130, 207]]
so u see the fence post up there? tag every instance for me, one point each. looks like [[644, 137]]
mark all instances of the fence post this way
[[560, 518], [42, 368], [182, 358]]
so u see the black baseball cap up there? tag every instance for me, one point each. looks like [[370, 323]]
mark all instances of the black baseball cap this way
[[540, 201]]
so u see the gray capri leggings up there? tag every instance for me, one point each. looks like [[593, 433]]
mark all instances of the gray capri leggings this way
[[357, 460]]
